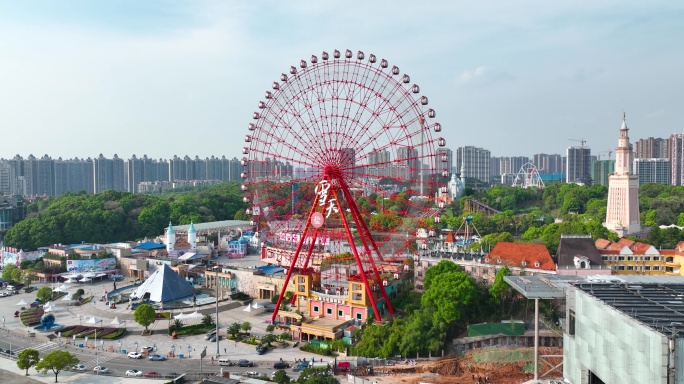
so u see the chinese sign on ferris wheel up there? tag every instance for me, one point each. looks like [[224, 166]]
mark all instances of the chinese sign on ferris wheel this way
[[322, 192]]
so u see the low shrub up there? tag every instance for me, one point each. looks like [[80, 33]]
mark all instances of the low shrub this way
[[196, 329], [317, 350], [114, 335]]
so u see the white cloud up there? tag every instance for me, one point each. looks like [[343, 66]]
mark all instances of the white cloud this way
[[483, 75]]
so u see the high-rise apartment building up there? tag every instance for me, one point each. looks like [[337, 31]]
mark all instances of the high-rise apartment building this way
[[475, 162], [622, 214], [449, 164], [494, 166], [108, 174], [549, 164], [650, 148], [653, 170], [73, 175], [601, 171], [408, 156], [676, 147], [512, 164], [578, 166]]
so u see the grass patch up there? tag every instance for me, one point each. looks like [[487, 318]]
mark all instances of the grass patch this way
[[114, 335], [196, 329]]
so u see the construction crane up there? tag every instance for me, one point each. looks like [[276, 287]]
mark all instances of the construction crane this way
[[581, 172], [609, 152]]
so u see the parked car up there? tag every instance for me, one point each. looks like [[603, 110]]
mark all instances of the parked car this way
[[261, 349], [133, 373], [78, 367], [302, 365], [244, 363], [11, 288], [148, 349], [253, 374], [210, 334], [135, 355], [281, 365], [172, 375], [5, 294], [153, 374], [157, 358], [212, 339], [100, 369]]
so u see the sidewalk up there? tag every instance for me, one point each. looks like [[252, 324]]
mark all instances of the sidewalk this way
[[64, 376]]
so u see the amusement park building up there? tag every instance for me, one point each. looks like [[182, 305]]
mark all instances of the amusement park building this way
[[327, 300], [628, 257], [528, 259]]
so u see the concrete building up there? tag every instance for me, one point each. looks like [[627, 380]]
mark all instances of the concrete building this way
[[652, 148], [577, 255], [578, 165], [512, 164], [495, 166], [474, 161], [626, 333], [449, 164], [549, 164], [601, 170], [622, 215], [653, 170], [677, 159], [628, 257], [108, 174]]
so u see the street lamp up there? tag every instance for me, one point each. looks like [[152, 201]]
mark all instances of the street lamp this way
[[217, 311]]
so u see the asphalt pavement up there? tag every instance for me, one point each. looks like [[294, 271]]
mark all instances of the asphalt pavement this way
[[111, 353]]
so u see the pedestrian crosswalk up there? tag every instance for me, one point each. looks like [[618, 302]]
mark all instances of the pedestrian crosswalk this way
[[100, 359], [43, 348]]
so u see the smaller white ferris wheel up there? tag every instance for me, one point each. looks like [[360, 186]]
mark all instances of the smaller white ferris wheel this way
[[528, 176]]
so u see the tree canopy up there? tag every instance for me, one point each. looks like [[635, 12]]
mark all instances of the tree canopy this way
[[113, 216], [144, 315], [56, 361], [27, 359]]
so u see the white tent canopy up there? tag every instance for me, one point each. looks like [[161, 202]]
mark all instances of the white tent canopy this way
[[248, 308], [94, 320], [67, 297], [181, 316], [195, 315], [71, 281], [90, 274], [22, 302], [86, 280], [62, 288]]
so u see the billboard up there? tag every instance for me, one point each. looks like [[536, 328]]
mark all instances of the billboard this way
[[96, 265]]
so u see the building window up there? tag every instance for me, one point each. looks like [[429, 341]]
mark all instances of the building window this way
[[669, 259], [656, 268], [647, 258], [358, 316], [630, 267], [621, 268], [656, 258], [328, 311], [315, 309], [630, 258], [605, 258], [571, 323], [340, 313], [420, 273], [647, 268], [419, 287], [621, 258], [536, 265]]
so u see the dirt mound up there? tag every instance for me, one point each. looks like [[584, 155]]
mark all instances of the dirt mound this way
[[501, 365]]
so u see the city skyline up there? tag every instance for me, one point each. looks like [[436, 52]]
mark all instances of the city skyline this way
[[162, 77]]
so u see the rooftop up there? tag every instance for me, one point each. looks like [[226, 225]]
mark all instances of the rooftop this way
[[214, 226], [655, 301], [514, 254]]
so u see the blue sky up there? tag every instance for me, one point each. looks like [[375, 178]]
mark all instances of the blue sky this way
[[80, 78]]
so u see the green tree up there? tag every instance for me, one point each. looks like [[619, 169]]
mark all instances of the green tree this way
[[144, 315], [56, 361], [177, 325], [208, 320], [16, 276], [444, 266], [281, 377], [500, 289], [449, 294], [44, 294], [316, 376], [246, 326], [234, 329], [27, 359], [268, 339], [78, 294], [7, 272]]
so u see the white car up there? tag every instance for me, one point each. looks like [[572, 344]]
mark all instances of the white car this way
[[133, 373], [100, 369], [79, 368], [135, 355]]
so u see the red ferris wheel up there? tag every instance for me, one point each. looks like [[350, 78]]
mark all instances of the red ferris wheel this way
[[341, 166]]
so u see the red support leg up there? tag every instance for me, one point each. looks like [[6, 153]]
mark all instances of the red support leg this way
[[293, 262], [350, 238], [356, 216]]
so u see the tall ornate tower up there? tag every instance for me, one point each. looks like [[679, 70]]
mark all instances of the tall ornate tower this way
[[170, 238], [192, 236], [623, 189]]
